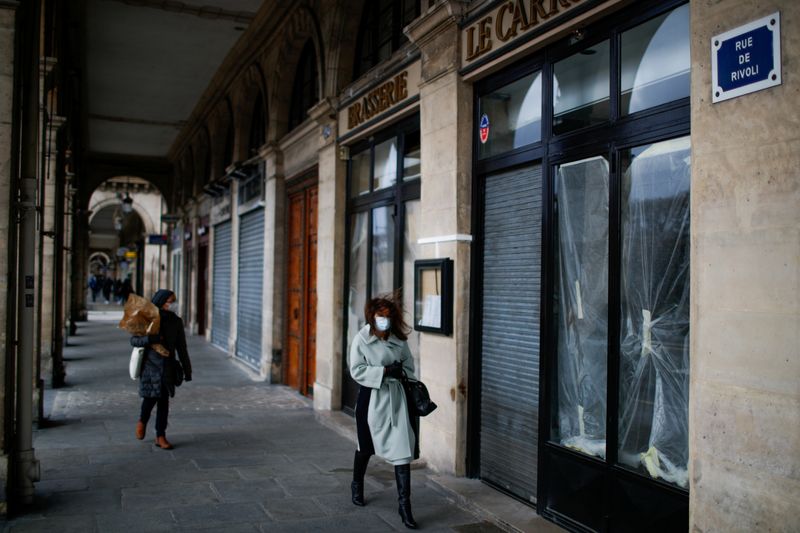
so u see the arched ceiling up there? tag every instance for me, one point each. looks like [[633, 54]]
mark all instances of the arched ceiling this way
[[147, 64]]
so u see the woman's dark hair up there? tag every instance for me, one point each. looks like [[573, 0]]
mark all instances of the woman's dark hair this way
[[387, 302]]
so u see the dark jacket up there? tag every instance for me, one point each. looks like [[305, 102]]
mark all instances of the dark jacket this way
[[158, 372]]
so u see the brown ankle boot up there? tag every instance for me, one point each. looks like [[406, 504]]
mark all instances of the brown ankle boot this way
[[162, 443], [140, 427]]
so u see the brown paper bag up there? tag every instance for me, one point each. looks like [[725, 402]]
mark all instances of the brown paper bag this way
[[141, 318]]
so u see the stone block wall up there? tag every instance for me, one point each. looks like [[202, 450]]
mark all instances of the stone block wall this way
[[745, 317]]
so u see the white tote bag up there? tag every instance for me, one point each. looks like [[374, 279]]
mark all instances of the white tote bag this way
[[135, 367]]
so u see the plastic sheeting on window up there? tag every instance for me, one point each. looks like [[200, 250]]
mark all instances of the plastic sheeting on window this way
[[654, 336], [583, 190]]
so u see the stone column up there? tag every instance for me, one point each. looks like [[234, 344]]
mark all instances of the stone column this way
[[744, 410], [7, 33], [445, 132], [48, 254], [233, 332], [330, 261], [274, 287]]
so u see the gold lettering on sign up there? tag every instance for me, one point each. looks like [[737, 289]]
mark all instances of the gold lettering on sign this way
[[511, 19], [378, 100]]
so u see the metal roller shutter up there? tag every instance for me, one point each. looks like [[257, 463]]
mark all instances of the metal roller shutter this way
[[512, 227], [221, 307], [251, 275]]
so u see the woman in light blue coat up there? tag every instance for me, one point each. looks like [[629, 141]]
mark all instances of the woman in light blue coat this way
[[378, 358]]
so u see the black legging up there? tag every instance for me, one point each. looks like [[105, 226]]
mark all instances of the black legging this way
[[162, 413]]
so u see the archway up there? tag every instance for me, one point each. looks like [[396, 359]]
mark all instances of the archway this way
[[125, 240]]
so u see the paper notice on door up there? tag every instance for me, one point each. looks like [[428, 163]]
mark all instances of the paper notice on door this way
[[431, 311]]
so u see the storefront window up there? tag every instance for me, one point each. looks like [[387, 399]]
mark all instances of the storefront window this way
[[385, 164], [655, 62], [582, 189], [654, 332], [357, 280], [581, 86], [512, 116], [412, 167], [359, 173], [383, 224], [382, 250], [411, 252]]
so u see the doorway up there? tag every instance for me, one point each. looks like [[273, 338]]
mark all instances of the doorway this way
[[301, 290]]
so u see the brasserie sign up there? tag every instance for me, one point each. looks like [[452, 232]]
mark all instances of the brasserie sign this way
[[380, 100], [508, 22]]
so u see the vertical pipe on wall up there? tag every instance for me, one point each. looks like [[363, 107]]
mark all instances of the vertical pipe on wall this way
[[26, 466]]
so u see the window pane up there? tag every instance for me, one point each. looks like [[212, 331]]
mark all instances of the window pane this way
[[357, 281], [655, 62], [411, 252], [359, 174], [412, 164], [581, 89], [382, 250], [654, 335], [514, 115], [385, 164], [582, 305]]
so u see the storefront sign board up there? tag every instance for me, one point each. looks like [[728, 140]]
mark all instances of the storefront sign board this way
[[380, 100], [509, 23], [746, 59]]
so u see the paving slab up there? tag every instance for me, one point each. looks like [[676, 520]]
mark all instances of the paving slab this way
[[248, 457]]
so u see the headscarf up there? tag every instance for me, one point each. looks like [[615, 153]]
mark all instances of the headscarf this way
[[161, 296]]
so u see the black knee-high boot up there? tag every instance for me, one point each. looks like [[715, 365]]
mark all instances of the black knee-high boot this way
[[402, 474], [360, 461]]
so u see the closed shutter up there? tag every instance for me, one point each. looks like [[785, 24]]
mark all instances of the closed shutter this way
[[251, 276], [510, 330], [221, 308]]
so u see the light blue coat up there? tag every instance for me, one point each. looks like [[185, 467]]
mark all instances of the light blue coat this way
[[389, 425]]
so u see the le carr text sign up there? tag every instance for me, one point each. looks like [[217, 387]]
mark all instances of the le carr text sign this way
[[508, 22], [746, 59]]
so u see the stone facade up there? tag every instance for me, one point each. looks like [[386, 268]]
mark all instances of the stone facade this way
[[744, 398]]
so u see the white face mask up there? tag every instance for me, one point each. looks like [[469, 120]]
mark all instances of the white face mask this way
[[382, 323]]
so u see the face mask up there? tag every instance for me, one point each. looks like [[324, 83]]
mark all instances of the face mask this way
[[382, 323]]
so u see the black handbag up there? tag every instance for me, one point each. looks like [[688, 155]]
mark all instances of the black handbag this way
[[419, 401]]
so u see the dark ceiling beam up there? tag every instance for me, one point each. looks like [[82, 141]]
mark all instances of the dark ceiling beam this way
[[206, 12], [126, 120]]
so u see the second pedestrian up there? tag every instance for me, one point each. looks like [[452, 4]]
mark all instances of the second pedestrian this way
[[378, 358]]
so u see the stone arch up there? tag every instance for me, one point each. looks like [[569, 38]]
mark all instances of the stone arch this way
[[149, 223], [251, 85], [218, 125], [302, 26], [343, 26], [161, 177]]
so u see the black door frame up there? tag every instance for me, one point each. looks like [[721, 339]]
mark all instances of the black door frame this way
[[395, 196]]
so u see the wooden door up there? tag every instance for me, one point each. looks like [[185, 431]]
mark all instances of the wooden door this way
[[301, 298]]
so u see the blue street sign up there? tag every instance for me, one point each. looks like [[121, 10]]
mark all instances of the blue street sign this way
[[746, 59]]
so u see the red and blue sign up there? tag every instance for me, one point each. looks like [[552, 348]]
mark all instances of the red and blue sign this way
[[483, 128]]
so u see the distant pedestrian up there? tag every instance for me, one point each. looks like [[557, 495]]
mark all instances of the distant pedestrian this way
[[125, 290], [117, 290], [108, 286], [94, 287], [378, 357], [158, 379]]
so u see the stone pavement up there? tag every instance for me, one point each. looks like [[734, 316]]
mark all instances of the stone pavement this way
[[248, 456]]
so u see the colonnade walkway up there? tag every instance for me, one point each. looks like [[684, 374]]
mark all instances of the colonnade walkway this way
[[248, 456]]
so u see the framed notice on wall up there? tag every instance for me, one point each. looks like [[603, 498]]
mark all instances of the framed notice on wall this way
[[433, 295]]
